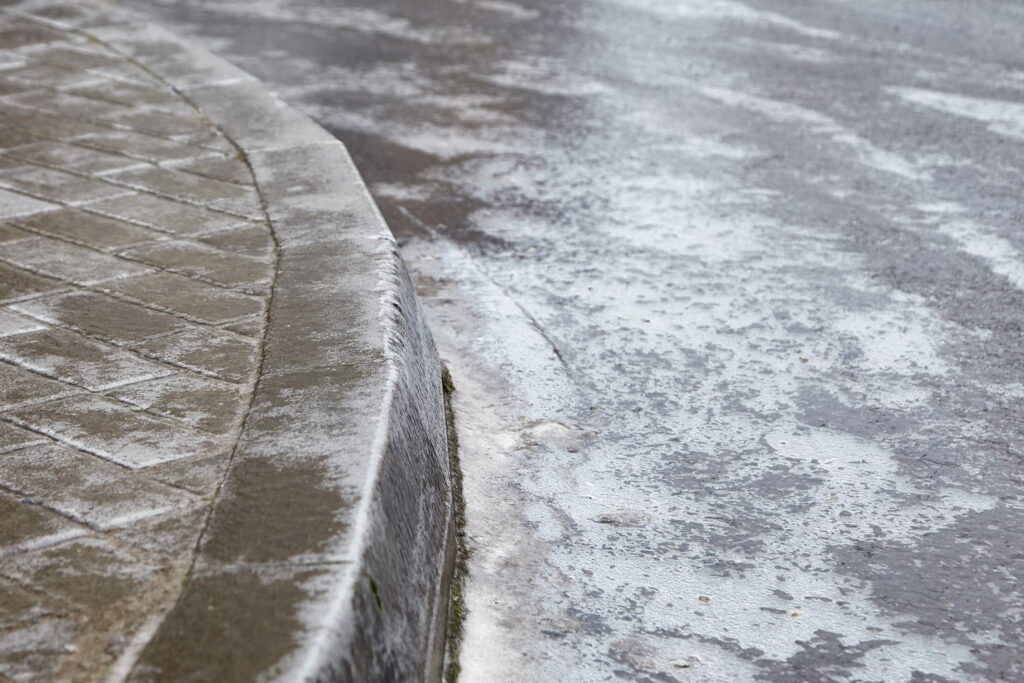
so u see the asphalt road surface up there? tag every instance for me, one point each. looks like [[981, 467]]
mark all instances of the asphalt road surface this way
[[733, 295]]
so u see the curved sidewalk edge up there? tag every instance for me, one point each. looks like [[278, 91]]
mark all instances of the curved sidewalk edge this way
[[328, 551]]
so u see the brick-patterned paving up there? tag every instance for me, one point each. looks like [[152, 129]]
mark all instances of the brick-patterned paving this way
[[135, 266]]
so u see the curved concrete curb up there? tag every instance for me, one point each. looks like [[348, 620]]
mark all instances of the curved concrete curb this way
[[327, 553]]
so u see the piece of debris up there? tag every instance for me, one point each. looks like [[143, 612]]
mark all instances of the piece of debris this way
[[686, 662]]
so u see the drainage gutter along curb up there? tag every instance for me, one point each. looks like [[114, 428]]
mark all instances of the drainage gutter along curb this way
[[329, 547]]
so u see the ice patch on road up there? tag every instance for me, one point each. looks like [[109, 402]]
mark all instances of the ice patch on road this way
[[1001, 256], [509, 9], [750, 500], [895, 340], [856, 493], [793, 51], [786, 112], [728, 9], [545, 76], [1002, 117]]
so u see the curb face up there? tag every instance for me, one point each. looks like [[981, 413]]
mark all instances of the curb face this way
[[327, 551]]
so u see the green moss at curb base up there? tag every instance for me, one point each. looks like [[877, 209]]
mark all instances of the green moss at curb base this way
[[457, 605], [375, 589]]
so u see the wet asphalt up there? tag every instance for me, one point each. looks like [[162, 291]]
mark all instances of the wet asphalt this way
[[733, 296]]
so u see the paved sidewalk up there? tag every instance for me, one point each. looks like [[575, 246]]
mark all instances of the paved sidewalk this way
[[223, 452], [135, 264]]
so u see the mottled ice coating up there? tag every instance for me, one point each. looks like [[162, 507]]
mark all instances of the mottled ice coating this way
[[733, 296]]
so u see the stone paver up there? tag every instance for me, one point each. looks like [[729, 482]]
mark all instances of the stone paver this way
[[206, 263], [32, 526], [135, 265], [16, 324], [19, 387], [77, 360], [207, 404], [189, 298], [163, 214], [58, 259], [113, 431], [190, 188], [13, 205], [212, 353], [102, 317], [86, 228], [13, 438], [56, 186], [72, 158], [17, 284]]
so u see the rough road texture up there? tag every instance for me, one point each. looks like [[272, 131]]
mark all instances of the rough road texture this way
[[222, 448], [777, 246]]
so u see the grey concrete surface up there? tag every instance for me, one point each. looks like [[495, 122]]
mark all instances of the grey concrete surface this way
[[732, 296], [223, 451]]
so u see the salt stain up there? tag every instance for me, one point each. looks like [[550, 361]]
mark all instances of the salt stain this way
[[978, 240], [898, 340], [508, 9], [792, 51], [1003, 117], [728, 9], [544, 76], [786, 112]]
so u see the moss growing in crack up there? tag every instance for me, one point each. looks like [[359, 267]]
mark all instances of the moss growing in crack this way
[[375, 589], [457, 607]]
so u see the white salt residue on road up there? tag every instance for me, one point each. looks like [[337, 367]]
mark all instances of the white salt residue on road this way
[[1002, 117], [787, 112], [974, 238], [728, 10], [734, 337]]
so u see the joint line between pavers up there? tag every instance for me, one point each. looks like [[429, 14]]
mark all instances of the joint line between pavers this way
[[159, 236], [54, 204], [71, 283], [17, 447], [156, 307], [64, 515], [67, 287], [242, 220], [237, 289], [131, 348], [14, 152], [65, 202], [56, 437], [93, 286], [72, 534], [171, 366], [175, 165], [102, 123], [104, 392], [98, 175], [143, 471], [78, 91], [184, 200], [48, 207], [89, 531]]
